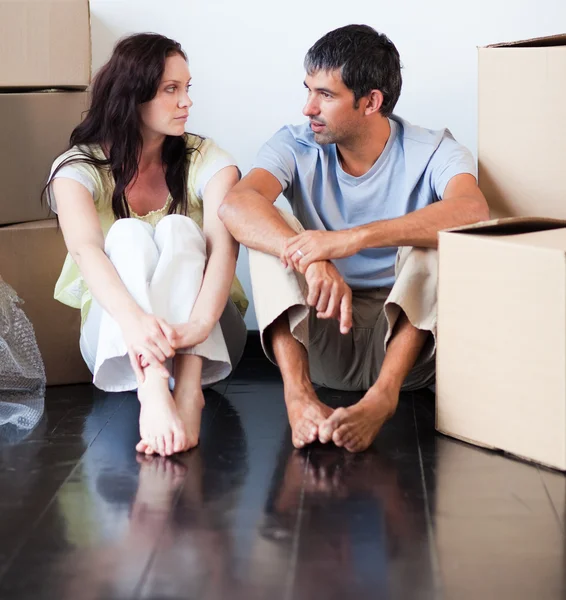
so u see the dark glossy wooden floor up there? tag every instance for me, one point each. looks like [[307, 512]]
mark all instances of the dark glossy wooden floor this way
[[245, 516]]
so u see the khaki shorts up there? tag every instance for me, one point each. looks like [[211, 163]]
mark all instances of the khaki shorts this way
[[352, 361]]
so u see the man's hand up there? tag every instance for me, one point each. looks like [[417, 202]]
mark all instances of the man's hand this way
[[308, 247], [329, 293]]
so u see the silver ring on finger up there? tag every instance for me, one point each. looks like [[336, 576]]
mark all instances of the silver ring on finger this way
[[299, 253]]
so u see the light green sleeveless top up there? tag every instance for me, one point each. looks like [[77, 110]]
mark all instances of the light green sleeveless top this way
[[204, 162]]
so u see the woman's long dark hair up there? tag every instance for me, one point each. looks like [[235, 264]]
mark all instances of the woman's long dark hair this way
[[131, 77]]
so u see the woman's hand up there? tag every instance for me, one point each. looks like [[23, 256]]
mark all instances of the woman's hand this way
[[147, 343], [186, 335]]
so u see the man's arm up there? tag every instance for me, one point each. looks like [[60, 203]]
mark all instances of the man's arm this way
[[463, 203], [250, 216]]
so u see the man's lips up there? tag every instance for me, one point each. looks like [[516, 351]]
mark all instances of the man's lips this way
[[315, 125]]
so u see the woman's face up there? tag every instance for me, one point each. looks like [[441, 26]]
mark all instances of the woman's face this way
[[167, 113]]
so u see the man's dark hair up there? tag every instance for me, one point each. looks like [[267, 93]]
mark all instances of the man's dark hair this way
[[367, 61]]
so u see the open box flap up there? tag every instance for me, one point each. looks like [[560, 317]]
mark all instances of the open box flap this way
[[511, 225], [539, 42]]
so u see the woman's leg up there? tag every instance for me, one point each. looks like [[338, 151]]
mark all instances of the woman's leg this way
[[131, 249], [174, 289]]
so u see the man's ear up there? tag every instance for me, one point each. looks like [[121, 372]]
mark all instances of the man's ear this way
[[374, 102]]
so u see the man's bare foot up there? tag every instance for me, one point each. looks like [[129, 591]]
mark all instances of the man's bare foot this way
[[357, 426], [161, 428], [306, 412]]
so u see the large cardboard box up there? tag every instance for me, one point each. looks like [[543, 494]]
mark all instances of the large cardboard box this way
[[45, 44], [501, 361], [31, 258], [34, 130], [522, 127]]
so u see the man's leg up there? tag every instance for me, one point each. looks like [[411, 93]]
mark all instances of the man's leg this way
[[306, 412], [407, 323], [356, 427], [282, 315]]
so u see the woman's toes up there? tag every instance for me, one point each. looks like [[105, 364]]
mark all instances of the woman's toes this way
[[169, 444], [180, 442], [141, 446]]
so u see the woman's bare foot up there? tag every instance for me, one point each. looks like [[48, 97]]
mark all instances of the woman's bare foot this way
[[190, 403], [161, 428], [357, 426], [306, 412]]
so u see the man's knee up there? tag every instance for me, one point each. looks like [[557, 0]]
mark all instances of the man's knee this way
[[291, 220]]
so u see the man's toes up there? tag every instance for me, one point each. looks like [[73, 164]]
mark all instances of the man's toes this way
[[327, 428], [342, 436], [356, 444], [307, 431]]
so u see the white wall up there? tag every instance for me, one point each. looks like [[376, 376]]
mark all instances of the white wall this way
[[246, 58]]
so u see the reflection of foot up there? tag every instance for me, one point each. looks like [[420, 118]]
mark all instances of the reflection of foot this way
[[161, 427], [306, 412], [356, 427], [159, 479]]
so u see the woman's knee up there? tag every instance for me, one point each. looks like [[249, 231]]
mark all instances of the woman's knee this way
[[129, 231], [174, 227]]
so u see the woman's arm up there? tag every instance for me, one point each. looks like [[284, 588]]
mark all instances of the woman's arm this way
[[85, 242], [222, 252]]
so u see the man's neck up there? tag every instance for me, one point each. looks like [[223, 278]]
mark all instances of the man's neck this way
[[359, 156]]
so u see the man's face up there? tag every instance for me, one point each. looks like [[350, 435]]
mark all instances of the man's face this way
[[330, 108]]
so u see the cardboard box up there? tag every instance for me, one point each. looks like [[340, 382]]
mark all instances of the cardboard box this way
[[45, 44], [522, 127], [31, 258], [501, 361], [35, 128]]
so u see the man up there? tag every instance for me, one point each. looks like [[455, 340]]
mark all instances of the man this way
[[349, 302]]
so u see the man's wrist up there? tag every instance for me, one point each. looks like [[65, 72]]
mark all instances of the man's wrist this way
[[358, 239]]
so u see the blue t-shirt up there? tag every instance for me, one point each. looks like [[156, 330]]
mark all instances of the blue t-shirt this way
[[412, 172]]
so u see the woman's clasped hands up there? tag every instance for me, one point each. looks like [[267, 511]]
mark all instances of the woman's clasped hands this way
[[151, 340]]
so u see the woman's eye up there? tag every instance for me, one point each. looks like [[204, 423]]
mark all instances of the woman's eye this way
[[171, 88]]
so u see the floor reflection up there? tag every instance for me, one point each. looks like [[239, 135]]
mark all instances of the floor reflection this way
[[162, 525], [494, 515], [353, 518]]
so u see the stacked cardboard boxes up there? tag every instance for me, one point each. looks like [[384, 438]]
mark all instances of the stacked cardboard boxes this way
[[501, 363], [45, 69]]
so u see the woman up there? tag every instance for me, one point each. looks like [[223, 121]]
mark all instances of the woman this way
[[157, 293]]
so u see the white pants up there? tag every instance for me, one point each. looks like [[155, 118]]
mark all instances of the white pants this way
[[162, 268]]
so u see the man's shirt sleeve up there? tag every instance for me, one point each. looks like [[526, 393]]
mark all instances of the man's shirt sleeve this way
[[449, 159], [277, 156]]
